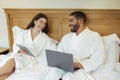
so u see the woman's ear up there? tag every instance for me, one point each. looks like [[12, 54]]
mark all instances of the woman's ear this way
[[34, 21]]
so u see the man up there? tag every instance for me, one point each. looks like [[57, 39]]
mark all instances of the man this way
[[85, 45]]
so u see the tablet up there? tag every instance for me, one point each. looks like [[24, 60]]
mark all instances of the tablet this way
[[26, 49]]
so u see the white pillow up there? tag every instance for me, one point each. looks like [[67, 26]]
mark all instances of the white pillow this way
[[17, 31], [112, 47]]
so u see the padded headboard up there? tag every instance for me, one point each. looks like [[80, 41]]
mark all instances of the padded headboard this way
[[103, 21]]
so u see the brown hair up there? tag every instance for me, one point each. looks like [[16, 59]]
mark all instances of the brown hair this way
[[38, 16]]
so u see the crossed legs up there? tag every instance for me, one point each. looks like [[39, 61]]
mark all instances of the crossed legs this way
[[7, 69]]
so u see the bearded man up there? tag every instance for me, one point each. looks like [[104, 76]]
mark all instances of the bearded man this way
[[86, 46]]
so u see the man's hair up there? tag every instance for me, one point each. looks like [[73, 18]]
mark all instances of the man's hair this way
[[79, 15], [38, 16]]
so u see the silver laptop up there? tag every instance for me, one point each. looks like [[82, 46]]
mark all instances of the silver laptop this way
[[60, 60]]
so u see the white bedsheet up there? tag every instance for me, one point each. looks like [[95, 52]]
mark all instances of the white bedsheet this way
[[35, 71], [106, 72]]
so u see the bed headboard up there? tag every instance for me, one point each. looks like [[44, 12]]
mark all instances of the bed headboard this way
[[103, 21]]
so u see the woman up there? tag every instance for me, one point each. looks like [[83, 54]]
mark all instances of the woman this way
[[35, 39]]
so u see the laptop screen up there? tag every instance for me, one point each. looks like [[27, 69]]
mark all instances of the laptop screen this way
[[60, 60]]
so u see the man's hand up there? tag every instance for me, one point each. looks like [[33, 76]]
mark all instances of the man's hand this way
[[77, 65]]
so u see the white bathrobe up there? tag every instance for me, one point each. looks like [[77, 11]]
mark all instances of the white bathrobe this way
[[87, 49], [36, 46], [28, 67]]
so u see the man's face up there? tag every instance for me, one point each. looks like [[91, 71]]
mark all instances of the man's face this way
[[73, 24]]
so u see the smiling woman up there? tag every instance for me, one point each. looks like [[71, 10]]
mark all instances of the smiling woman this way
[[39, 23], [36, 43]]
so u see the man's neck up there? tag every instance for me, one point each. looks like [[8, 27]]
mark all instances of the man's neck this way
[[80, 30]]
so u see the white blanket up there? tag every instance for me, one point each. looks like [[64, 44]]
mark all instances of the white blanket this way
[[29, 68]]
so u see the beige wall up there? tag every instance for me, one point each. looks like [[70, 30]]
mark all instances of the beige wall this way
[[86, 4], [101, 4]]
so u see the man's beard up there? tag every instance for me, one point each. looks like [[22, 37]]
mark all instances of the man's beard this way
[[75, 27]]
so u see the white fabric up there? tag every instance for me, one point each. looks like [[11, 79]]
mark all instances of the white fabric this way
[[88, 49], [107, 72], [36, 72], [4, 59], [28, 67], [16, 31], [112, 46]]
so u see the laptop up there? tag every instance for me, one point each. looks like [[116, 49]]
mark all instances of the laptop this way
[[60, 60]]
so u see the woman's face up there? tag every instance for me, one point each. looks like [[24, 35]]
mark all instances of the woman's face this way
[[40, 24]]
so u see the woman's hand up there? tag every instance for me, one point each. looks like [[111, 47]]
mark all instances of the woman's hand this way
[[22, 51]]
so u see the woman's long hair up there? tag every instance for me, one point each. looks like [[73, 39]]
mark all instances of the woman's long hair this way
[[38, 16]]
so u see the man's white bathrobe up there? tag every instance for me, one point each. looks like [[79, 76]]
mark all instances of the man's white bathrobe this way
[[87, 49]]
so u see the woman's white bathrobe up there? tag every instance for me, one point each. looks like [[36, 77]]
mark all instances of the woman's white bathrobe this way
[[28, 67], [87, 49]]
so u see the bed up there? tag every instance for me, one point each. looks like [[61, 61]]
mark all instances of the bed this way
[[104, 21]]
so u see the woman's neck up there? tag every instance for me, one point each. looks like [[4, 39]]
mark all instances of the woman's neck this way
[[34, 33]]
